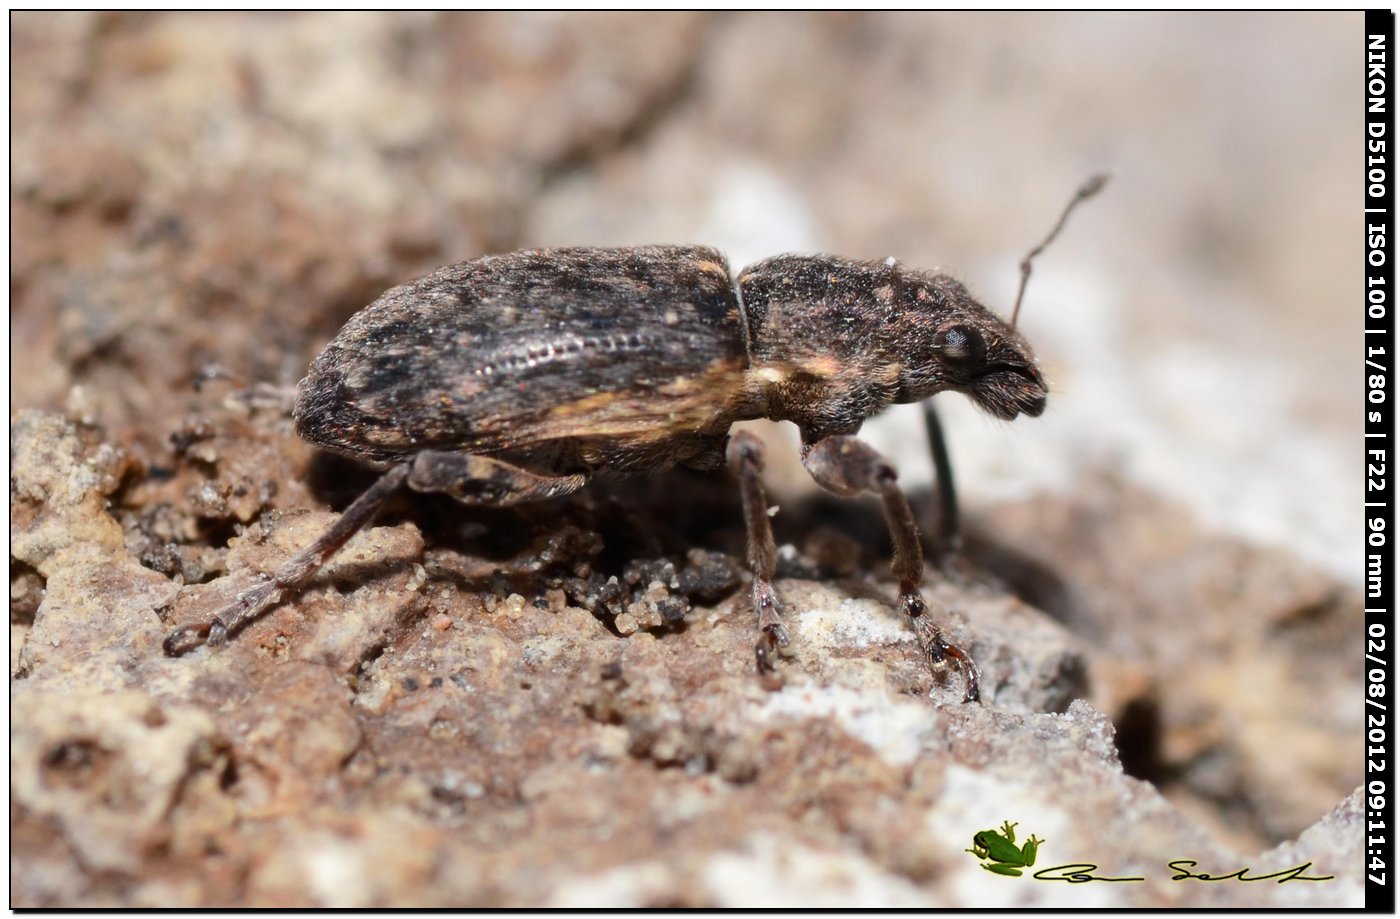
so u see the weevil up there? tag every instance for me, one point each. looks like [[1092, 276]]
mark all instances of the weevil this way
[[519, 377]]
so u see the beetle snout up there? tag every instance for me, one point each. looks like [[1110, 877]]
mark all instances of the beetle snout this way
[[1031, 392], [1035, 406], [1010, 392], [1034, 402]]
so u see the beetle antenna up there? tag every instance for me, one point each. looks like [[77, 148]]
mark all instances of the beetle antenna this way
[[1090, 188]]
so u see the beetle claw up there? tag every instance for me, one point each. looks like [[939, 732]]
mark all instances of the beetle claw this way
[[770, 639], [185, 639], [943, 653]]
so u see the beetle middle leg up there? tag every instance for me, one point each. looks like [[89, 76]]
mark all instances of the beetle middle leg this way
[[470, 479], [484, 480], [744, 454], [848, 467]]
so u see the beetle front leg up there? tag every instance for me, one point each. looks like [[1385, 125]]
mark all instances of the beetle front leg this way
[[848, 467], [744, 454]]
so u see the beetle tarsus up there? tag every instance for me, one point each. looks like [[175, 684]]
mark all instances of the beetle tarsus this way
[[249, 606], [940, 651]]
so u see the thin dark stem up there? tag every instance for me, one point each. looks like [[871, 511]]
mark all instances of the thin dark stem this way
[[949, 524]]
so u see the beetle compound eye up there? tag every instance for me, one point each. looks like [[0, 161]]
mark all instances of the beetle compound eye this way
[[960, 343]]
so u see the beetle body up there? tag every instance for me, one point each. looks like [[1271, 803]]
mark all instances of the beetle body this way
[[621, 361], [519, 377]]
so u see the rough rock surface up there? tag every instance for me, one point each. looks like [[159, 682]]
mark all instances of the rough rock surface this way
[[393, 737], [555, 705]]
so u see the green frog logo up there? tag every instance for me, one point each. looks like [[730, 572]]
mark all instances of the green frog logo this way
[[998, 851]]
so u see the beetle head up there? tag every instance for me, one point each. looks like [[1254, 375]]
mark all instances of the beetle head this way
[[963, 346]]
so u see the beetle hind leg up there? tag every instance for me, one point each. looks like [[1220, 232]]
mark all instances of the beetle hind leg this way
[[848, 467], [744, 455], [469, 479], [255, 601]]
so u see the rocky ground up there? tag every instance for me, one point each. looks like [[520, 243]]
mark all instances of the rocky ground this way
[[556, 705]]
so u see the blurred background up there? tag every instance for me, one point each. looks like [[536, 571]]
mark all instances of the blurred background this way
[[196, 189], [281, 169]]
